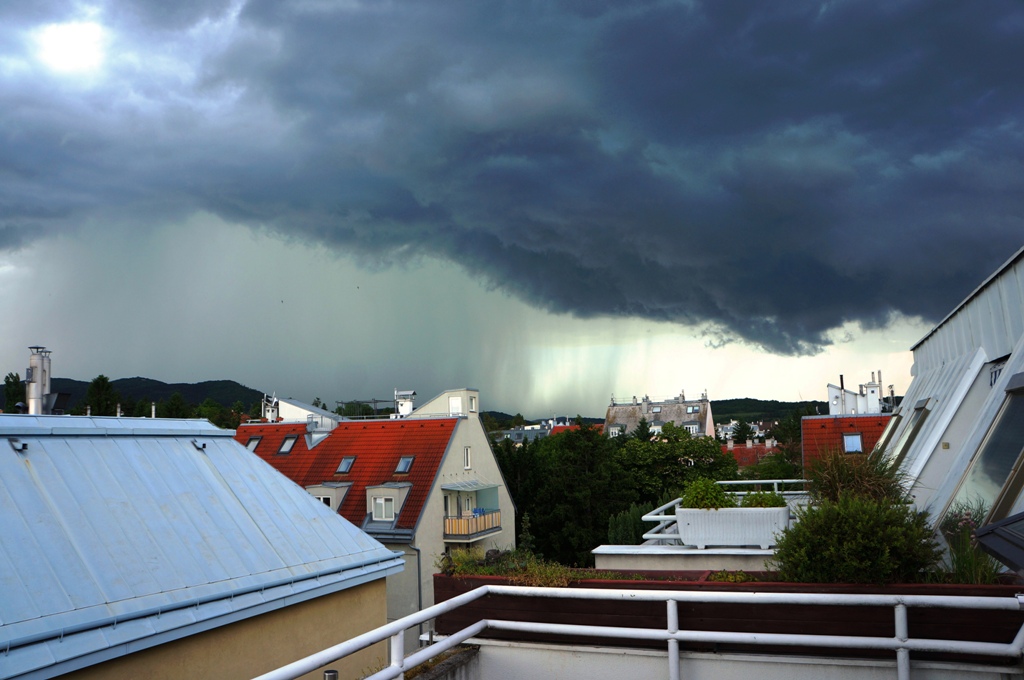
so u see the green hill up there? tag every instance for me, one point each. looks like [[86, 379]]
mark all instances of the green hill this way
[[224, 392], [751, 410]]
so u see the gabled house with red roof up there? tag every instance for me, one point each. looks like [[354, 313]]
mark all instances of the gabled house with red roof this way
[[850, 433], [419, 483]]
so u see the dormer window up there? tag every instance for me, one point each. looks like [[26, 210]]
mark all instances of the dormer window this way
[[383, 508], [287, 444], [253, 443], [345, 465], [404, 464]]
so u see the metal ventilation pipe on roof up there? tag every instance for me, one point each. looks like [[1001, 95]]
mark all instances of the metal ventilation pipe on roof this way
[[37, 380]]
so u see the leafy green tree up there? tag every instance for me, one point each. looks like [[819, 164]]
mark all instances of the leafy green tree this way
[[143, 408], [662, 467], [14, 391], [101, 397], [518, 420], [580, 485], [317, 403]]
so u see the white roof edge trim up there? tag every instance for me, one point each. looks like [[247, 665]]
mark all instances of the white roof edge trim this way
[[974, 293]]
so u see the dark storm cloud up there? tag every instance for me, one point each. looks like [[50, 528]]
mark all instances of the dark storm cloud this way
[[768, 171]]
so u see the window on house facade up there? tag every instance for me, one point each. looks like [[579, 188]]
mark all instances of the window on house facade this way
[[287, 444], [345, 465], [383, 508], [852, 443], [326, 500], [454, 405], [467, 458], [472, 404], [656, 409], [995, 478], [404, 463], [253, 443]]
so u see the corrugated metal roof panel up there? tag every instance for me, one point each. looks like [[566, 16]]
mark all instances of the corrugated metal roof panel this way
[[103, 524]]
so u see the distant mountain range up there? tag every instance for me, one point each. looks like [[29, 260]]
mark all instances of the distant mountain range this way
[[224, 392]]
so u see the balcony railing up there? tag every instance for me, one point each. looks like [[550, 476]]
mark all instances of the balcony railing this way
[[666, 533], [901, 643], [468, 527]]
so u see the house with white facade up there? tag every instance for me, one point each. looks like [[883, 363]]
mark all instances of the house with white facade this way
[[421, 481], [959, 432]]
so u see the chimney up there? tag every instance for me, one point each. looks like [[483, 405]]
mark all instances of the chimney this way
[[37, 380], [152, 409], [750, 443]]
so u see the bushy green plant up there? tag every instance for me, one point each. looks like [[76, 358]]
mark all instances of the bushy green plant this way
[[857, 540], [966, 562], [628, 527], [870, 475], [763, 499], [706, 493]]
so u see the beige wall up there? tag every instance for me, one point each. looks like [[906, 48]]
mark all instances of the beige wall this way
[[262, 643]]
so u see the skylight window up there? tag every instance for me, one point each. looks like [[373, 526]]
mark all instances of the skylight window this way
[[287, 444], [890, 427], [995, 478], [346, 464], [404, 463], [253, 443], [852, 443], [899, 451]]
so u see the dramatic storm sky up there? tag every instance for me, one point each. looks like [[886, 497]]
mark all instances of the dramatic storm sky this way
[[550, 201]]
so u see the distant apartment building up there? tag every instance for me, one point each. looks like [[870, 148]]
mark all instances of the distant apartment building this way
[[692, 415]]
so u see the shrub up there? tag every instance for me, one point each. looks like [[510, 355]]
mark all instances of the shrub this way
[[706, 493], [763, 499], [628, 527], [872, 476], [857, 540], [967, 563]]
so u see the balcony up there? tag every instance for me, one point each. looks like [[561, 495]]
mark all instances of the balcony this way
[[468, 528]]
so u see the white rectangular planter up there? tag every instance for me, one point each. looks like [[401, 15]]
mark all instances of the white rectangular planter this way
[[731, 526]]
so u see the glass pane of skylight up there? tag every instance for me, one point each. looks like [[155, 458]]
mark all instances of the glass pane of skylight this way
[[404, 463], [997, 457], [287, 444], [346, 464], [253, 443]]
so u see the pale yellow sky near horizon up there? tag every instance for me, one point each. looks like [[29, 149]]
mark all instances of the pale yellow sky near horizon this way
[[205, 299]]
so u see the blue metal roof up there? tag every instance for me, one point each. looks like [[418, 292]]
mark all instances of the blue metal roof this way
[[122, 533]]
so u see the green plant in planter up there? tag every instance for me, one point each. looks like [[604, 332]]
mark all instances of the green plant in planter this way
[[870, 475], [967, 563], [763, 499], [707, 494]]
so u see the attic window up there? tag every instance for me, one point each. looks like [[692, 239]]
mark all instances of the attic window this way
[[346, 464], [287, 444], [253, 443], [404, 463], [656, 409], [852, 443], [383, 508]]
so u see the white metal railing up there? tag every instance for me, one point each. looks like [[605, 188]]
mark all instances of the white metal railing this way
[[901, 643], [665, 532]]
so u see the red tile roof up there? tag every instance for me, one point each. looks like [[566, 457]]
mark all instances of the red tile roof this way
[[377, 446], [749, 455], [823, 433]]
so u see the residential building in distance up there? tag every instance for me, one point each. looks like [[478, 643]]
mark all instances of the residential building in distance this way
[[694, 415], [857, 433], [146, 548], [870, 397], [420, 481]]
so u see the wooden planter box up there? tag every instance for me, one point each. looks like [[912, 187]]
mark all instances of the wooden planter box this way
[[731, 526], [966, 624]]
